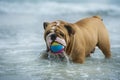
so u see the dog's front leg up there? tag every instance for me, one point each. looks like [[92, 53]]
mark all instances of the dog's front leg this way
[[79, 57]]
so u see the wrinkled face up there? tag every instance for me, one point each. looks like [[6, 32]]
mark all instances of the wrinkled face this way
[[57, 31]]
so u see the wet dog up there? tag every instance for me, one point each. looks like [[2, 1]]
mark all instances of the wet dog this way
[[79, 39]]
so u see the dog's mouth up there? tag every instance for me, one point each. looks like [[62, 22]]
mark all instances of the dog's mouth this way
[[55, 44]]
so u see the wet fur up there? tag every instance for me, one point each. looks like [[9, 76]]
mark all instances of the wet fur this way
[[83, 36]]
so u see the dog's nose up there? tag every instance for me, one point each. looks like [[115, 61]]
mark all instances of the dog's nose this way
[[53, 37]]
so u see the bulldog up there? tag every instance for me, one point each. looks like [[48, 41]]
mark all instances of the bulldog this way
[[79, 39]]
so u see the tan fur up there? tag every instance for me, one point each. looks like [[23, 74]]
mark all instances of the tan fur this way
[[89, 33]]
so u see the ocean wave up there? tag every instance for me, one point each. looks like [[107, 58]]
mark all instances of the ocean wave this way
[[53, 8]]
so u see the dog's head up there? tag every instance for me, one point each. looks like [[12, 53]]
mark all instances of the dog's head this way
[[58, 31]]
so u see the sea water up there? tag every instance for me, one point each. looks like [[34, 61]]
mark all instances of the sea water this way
[[21, 39]]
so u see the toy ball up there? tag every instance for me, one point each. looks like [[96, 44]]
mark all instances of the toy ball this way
[[56, 47]]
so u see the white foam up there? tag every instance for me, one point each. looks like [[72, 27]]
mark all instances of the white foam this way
[[41, 8]]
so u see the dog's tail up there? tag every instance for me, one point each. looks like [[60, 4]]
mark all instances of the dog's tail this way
[[98, 17]]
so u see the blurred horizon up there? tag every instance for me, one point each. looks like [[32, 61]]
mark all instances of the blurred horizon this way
[[21, 39]]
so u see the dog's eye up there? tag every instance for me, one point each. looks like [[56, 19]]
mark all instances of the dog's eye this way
[[47, 32], [62, 34]]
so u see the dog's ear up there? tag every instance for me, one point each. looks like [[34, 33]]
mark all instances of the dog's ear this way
[[70, 30], [45, 24]]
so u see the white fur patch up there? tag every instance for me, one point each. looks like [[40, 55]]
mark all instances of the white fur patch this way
[[52, 31], [60, 40], [58, 23], [54, 27]]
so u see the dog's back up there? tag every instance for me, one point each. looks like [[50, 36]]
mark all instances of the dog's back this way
[[95, 34]]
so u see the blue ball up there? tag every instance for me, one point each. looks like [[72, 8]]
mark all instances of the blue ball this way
[[56, 47]]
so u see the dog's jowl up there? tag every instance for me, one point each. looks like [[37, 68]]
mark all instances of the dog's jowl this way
[[77, 40]]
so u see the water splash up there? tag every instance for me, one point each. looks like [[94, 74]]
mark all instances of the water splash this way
[[58, 58], [67, 58]]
